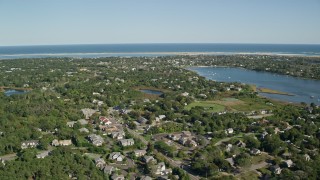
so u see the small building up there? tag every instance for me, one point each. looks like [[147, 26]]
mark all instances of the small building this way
[[241, 144], [185, 94], [84, 130], [108, 169], [159, 168], [276, 169], [160, 117], [148, 159], [56, 142], [230, 161], [82, 122], [118, 135], [229, 131], [139, 153], [186, 133], [306, 157], [70, 124], [117, 156], [255, 151], [105, 121], [96, 140], [174, 137], [100, 163], [191, 143], [183, 140], [228, 147], [289, 163], [88, 112], [29, 144], [142, 120], [43, 154], [117, 177], [126, 142], [145, 178]]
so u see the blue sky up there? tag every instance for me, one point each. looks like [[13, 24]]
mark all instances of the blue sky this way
[[159, 21]]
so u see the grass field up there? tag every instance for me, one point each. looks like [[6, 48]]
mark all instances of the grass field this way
[[248, 176], [210, 106], [231, 104]]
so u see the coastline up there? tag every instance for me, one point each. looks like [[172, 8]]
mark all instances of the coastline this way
[[165, 53]]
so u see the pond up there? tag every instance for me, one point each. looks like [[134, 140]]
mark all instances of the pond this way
[[152, 92], [302, 90], [10, 92]]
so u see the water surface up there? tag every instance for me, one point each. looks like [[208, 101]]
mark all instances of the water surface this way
[[303, 90], [10, 92], [153, 92]]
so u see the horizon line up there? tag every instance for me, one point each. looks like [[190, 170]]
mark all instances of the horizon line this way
[[155, 43]]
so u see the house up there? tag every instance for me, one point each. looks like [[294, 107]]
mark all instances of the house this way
[[118, 135], [264, 134], [191, 143], [56, 142], [84, 130], [71, 123], [276, 169], [3, 161], [183, 140], [148, 159], [230, 161], [29, 144], [96, 140], [306, 157], [117, 177], [145, 178], [229, 131], [160, 117], [82, 122], [108, 169], [43, 154], [167, 171], [109, 129], [186, 133], [126, 142], [116, 156], [139, 153], [159, 168], [105, 121], [88, 112], [289, 163], [185, 94], [228, 147], [174, 137], [100, 163], [240, 143], [142, 120], [255, 151]]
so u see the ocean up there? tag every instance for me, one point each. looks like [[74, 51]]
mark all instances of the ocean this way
[[107, 50]]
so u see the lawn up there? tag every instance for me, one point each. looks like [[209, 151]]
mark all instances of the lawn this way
[[208, 105], [248, 175]]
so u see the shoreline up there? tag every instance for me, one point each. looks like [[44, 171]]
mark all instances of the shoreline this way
[[175, 53]]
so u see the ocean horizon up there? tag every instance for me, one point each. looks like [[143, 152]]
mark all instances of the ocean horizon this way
[[155, 49]]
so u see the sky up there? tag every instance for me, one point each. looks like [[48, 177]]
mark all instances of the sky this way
[[47, 22]]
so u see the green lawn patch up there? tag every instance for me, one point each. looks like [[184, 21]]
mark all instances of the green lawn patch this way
[[208, 105]]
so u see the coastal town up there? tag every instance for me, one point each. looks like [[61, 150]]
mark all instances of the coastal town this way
[[150, 118]]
